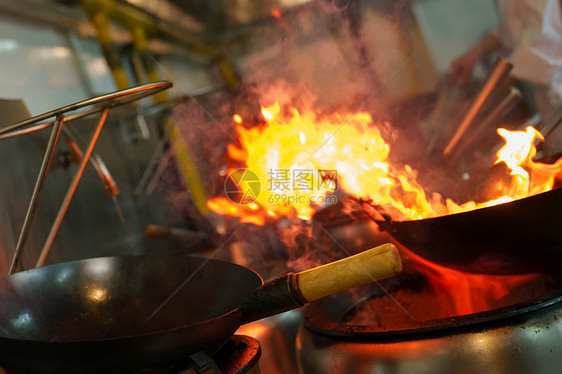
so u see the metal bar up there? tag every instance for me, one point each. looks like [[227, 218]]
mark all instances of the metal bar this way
[[27, 130], [151, 184], [41, 126], [113, 99], [449, 101], [95, 160], [47, 158], [158, 152], [512, 97], [184, 158], [499, 72], [70, 193], [551, 123]]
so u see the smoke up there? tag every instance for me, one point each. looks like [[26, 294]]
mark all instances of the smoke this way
[[307, 246], [325, 56], [327, 50]]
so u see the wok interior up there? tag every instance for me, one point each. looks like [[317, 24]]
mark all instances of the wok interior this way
[[115, 297]]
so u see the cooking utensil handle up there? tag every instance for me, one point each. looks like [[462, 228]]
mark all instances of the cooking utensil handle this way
[[377, 263], [497, 75], [292, 291]]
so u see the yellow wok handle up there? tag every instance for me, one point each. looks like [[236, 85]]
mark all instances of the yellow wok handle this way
[[365, 267], [294, 290]]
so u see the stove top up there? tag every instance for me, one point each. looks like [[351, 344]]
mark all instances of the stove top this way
[[240, 355]]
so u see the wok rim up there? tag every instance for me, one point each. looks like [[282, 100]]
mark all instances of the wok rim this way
[[135, 336], [487, 209]]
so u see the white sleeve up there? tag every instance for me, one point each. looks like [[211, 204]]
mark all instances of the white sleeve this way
[[537, 56]]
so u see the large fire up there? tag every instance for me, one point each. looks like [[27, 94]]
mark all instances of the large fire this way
[[302, 159]]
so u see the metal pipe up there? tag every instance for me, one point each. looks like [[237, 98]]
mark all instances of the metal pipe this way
[[497, 75], [552, 123], [167, 232], [450, 100], [95, 160], [27, 130], [113, 99], [70, 193], [160, 168], [154, 159], [512, 97], [47, 158]]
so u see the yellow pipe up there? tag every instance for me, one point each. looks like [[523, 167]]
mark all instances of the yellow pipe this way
[[141, 45], [133, 19], [187, 166], [99, 20], [183, 155], [122, 14], [141, 26]]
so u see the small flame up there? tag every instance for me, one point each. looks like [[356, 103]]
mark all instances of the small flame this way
[[237, 119], [529, 177], [270, 113], [301, 159]]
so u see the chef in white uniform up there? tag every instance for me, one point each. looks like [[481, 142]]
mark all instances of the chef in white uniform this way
[[529, 35]]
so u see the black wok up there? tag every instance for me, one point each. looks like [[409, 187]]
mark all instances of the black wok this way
[[521, 236], [129, 314]]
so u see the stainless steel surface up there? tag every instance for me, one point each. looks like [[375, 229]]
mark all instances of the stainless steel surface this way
[[47, 157], [529, 346], [277, 337], [497, 75], [70, 193]]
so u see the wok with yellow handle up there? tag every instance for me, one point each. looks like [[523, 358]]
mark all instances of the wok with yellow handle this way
[[138, 313]]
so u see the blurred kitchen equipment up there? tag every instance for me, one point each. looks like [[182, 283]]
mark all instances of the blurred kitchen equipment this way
[[98, 104], [522, 236], [521, 338], [128, 314], [95, 160], [508, 102], [449, 95], [76, 144], [549, 126], [164, 232], [552, 123], [496, 76], [430, 319]]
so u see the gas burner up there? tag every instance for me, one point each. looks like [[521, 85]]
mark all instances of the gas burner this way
[[240, 355], [410, 304], [423, 321]]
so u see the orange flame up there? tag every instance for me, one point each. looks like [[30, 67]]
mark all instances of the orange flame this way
[[464, 293], [297, 157], [530, 177], [276, 13]]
